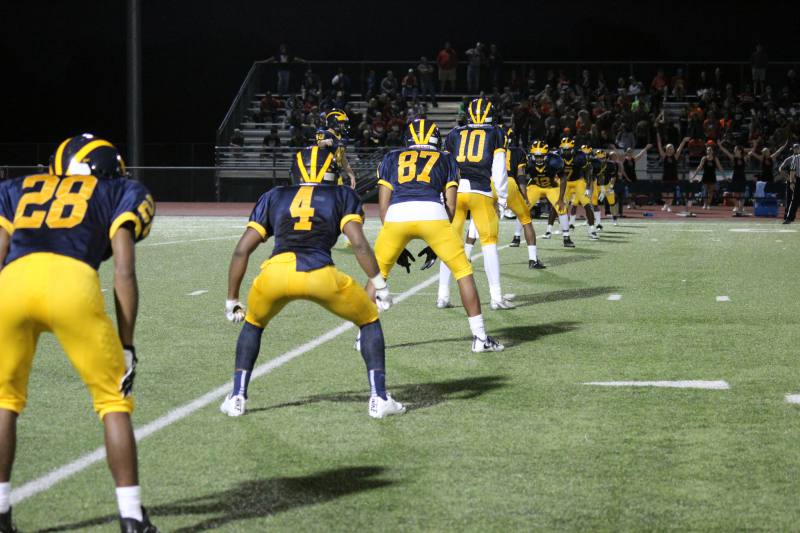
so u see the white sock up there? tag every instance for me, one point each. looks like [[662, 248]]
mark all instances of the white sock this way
[[549, 228], [5, 488], [472, 233], [129, 500], [564, 220], [476, 326], [491, 264], [518, 229], [532, 252], [572, 219], [597, 217], [468, 249], [444, 282]]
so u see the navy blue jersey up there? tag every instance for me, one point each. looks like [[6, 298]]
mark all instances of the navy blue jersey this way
[[545, 175], [75, 216], [417, 175], [338, 145], [575, 167], [474, 147], [306, 219], [603, 171], [515, 161]]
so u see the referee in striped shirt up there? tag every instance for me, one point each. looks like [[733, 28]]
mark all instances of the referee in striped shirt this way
[[792, 165]]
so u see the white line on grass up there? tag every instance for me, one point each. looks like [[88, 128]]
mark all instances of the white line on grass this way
[[197, 293], [224, 237], [45, 482], [687, 384], [793, 398], [614, 297], [723, 298]]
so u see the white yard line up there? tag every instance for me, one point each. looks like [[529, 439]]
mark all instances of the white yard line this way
[[197, 293], [793, 398], [222, 238], [686, 384], [45, 482], [614, 297]]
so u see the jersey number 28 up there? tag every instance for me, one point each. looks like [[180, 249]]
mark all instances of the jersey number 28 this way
[[65, 197]]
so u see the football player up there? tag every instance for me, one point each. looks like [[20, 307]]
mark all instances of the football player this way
[[604, 175], [479, 149], [515, 164], [55, 230], [412, 182], [573, 182], [541, 178], [334, 137], [306, 220]]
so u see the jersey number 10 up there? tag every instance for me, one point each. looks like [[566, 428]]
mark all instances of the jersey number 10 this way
[[65, 197], [471, 146]]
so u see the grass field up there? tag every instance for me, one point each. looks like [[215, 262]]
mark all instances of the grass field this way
[[491, 442]]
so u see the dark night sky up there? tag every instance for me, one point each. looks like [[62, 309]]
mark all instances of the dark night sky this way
[[64, 61]]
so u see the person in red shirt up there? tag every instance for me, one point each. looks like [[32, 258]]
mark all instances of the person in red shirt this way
[[447, 59]]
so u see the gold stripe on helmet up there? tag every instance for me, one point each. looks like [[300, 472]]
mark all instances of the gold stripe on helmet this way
[[86, 150], [414, 135], [57, 166], [485, 113]]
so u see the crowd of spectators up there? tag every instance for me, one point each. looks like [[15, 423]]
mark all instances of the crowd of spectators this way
[[622, 112]]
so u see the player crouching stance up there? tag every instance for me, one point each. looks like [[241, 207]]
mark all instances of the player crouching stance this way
[[55, 230], [306, 220], [604, 175], [542, 173], [515, 165], [412, 183]]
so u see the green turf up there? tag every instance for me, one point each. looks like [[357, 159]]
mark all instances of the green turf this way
[[497, 442]]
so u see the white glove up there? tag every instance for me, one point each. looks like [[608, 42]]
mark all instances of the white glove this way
[[382, 297], [234, 311], [602, 195], [126, 383], [502, 204]]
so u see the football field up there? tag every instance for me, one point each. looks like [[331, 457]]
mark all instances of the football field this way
[[517, 440]]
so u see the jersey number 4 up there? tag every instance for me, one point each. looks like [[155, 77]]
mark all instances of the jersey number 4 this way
[[73, 192], [471, 146], [407, 166], [301, 208]]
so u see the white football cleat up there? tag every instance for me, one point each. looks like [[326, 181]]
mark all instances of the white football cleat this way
[[547, 235], [505, 303], [233, 405], [380, 408], [357, 344], [593, 236], [441, 303], [488, 345]]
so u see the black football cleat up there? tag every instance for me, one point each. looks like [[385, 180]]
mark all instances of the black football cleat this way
[[535, 265], [6, 525], [515, 242], [599, 227], [131, 525], [787, 221], [568, 243], [572, 226]]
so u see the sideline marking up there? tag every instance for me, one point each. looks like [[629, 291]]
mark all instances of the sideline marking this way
[[45, 482], [762, 230], [614, 297], [197, 293], [687, 384], [723, 298], [793, 398]]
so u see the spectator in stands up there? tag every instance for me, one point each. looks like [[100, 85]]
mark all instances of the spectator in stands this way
[[494, 61], [475, 58], [297, 138], [372, 84], [389, 84], [427, 86], [758, 62], [530, 82], [284, 60], [268, 108], [409, 85], [793, 85], [312, 86], [659, 83], [625, 138], [447, 59], [237, 142], [341, 83]]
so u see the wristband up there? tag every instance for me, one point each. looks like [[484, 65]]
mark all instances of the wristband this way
[[378, 282]]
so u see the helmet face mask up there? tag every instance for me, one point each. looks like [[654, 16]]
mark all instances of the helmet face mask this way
[[86, 155], [538, 153], [567, 147], [337, 120]]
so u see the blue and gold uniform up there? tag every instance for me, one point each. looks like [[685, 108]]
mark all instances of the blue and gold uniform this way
[[337, 126], [474, 147], [418, 176], [515, 164], [61, 226], [306, 221], [576, 168], [604, 174], [542, 170]]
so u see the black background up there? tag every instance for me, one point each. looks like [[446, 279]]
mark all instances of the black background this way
[[63, 63]]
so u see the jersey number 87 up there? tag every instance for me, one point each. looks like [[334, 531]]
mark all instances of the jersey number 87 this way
[[407, 166]]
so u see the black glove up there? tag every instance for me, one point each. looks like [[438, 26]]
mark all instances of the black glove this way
[[126, 384], [430, 257], [405, 260]]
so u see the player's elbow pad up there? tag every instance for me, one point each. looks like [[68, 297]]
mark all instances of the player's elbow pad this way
[[499, 175]]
